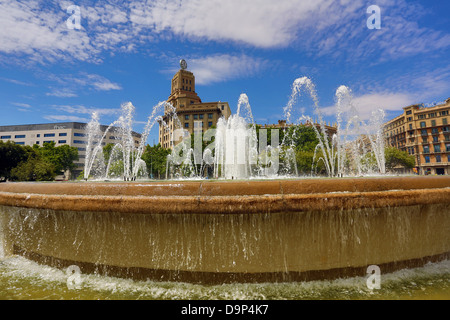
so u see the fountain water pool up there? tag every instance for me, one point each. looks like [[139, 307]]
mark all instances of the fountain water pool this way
[[223, 231]]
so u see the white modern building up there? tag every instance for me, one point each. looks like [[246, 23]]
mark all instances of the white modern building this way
[[66, 133]]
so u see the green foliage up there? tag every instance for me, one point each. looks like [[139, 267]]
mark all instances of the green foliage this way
[[61, 157], [302, 137], [33, 170], [25, 163], [156, 159], [11, 155], [396, 157]]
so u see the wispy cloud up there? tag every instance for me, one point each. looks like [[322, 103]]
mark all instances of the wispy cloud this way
[[18, 82], [66, 118], [22, 107], [79, 113], [70, 85], [84, 110], [223, 67], [62, 93], [37, 29]]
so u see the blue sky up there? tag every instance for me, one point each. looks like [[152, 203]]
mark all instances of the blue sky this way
[[129, 51]]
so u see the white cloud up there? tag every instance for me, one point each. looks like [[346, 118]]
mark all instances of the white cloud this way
[[365, 104], [18, 82], [37, 28], [66, 118], [62, 93], [223, 67], [84, 110], [260, 23], [21, 105], [71, 84]]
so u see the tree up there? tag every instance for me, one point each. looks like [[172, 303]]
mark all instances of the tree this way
[[66, 156], [11, 155], [33, 170], [156, 160], [396, 157], [62, 158]]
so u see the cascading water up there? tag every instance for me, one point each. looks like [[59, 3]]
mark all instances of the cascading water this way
[[125, 158], [346, 144]]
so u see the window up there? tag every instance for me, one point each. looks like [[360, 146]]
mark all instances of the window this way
[[448, 158], [62, 141], [186, 117], [444, 121], [447, 147], [423, 124], [434, 131], [410, 126], [410, 119], [210, 124], [426, 149], [5, 137], [49, 135], [435, 139], [425, 140], [223, 107], [37, 142], [186, 125], [424, 132], [76, 134], [19, 136], [437, 148], [79, 142], [81, 149], [408, 112], [38, 135], [63, 134], [20, 143], [200, 116], [48, 141], [427, 159], [445, 129], [433, 123], [438, 158], [195, 116], [210, 115]]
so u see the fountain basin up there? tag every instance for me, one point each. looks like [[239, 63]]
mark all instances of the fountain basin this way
[[230, 231]]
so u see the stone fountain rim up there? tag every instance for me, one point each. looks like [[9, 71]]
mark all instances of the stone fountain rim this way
[[228, 197]]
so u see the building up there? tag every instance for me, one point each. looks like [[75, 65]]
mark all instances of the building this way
[[192, 113], [425, 134], [66, 133], [329, 128]]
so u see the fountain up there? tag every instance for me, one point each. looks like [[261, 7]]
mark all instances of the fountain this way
[[219, 231]]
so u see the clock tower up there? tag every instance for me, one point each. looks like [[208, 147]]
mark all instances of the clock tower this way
[[183, 88], [192, 114]]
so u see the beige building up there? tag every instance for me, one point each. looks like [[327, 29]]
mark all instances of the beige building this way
[[425, 134], [330, 129], [66, 133], [192, 114]]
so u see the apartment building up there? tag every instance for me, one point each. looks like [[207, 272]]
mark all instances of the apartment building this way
[[423, 132]]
